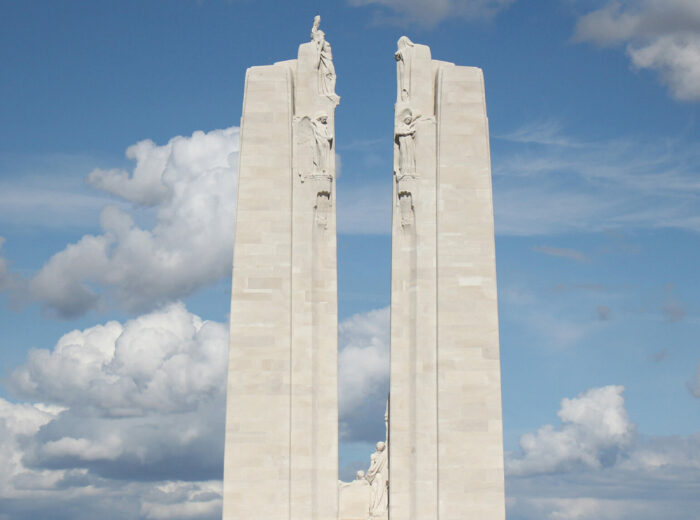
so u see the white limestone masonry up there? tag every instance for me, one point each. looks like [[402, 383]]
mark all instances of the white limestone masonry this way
[[281, 451], [443, 455], [445, 425]]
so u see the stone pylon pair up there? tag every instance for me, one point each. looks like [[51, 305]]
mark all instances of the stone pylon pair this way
[[444, 455]]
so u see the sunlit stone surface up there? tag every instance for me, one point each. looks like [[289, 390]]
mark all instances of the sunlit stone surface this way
[[445, 426], [281, 455], [443, 455]]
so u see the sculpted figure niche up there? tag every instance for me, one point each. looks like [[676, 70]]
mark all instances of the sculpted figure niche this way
[[326, 69]]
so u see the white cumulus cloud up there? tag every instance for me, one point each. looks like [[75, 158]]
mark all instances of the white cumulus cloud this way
[[191, 183], [661, 35], [131, 424], [129, 420], [18, 421], [165, 361], [363, 378], [181, 501], [595, 466], [594, 427], [141, 400]]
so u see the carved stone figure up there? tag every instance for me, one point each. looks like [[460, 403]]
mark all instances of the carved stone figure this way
[[404, 136], [322, 209], [323, 142], [403, 60], [326, 69], [378, 478], [406, 207]]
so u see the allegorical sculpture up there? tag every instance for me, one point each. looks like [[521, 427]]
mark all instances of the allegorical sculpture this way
[[405, 159], [405, 135], [378, 478], [403, 57], [367, 497], [326, 69], [323, 142]]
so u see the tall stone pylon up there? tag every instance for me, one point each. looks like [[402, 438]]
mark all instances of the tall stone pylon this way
[[445, 421], [281, 451]]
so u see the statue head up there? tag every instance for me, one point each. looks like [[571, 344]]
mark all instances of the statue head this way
[[404, 42], [381, 446], [360, 475], [406, 114]]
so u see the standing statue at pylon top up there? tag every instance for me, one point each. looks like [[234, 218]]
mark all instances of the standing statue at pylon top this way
[[326, 70]]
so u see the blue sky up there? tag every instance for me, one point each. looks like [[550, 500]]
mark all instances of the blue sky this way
[[117, 193]]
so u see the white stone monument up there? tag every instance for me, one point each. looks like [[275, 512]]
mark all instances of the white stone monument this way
[[443, 455], [281, 452], [445, 425]]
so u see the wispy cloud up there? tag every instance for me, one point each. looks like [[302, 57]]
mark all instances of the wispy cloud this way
[[23, 204], [365, 209], [429, 14], [546, 182], [562, 252], [366, 144], [554, 320], [49, 191], [545, 131], [661, 35]]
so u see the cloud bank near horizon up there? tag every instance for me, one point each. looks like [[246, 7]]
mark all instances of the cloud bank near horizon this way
[[126, 420], [593, 465], [133, 412]]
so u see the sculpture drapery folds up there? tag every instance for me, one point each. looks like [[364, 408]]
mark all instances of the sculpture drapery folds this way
[[324, 56]]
